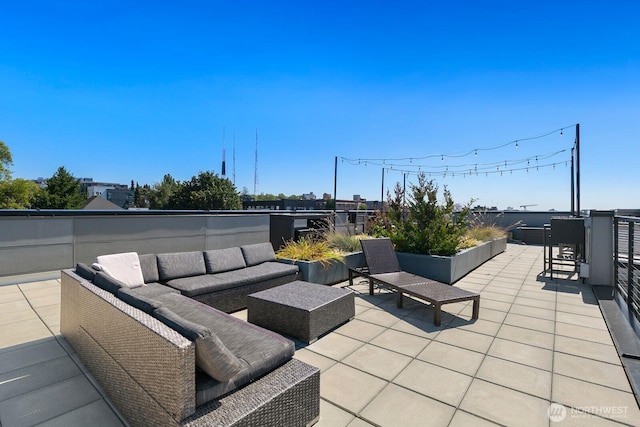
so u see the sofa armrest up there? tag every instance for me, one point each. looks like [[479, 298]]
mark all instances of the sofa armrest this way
[[146, 368]]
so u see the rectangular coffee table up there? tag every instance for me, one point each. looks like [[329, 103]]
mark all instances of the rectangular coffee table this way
[[300, 309]]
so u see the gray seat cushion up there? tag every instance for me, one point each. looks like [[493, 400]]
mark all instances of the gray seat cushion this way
[[180, 264], [258, 253], [198, 285], [212, 356], [259, 350], [144, 297], [220, 260]]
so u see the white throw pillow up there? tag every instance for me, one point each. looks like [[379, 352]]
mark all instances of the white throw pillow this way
[[124, 267]]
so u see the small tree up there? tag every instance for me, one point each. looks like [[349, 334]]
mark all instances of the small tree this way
[[424, 226], [5, 162], [18, 193], [206, 191], [62, 192], [160, 193]]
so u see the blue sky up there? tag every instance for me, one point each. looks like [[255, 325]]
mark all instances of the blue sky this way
[[135, 90]]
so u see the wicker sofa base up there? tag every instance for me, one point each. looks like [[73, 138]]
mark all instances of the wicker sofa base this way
[[284, 397], [148, 370]]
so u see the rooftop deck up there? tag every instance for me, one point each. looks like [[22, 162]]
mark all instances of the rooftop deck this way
[[537, 342]]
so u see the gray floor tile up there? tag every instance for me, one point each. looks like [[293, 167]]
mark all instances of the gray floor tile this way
[[452, 357], [377, 361], [96, 414], [335, 346], [26, 355], [464, 419], [400, 342], [396, 406], [526, 336], [359, 330], [349, 387], [332, 416], [522, 353], [516, 376], [465, 339], [530, 323], [588, 349], [505, 406], [33, 377], [319, 361], [607, 374], [47, 403], [434, 381], [592, 398]]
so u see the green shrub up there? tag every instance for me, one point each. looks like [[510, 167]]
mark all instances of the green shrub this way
[[424, 226], [345, 242]]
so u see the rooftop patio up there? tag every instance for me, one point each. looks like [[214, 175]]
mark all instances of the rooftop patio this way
[[537, 342]]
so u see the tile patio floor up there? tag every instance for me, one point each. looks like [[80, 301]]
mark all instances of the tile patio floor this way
[[537, 342]]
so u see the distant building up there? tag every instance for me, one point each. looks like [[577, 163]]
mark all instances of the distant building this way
[[285, 204], [122, 197], [309, 196]]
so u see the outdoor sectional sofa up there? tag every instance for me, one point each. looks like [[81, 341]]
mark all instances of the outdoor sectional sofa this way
[[166, 358]]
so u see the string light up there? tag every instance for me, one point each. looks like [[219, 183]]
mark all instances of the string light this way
[[449, 170]]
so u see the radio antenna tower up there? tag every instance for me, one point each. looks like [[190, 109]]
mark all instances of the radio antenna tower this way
[[224, 169], [255, 173], [234, 158]]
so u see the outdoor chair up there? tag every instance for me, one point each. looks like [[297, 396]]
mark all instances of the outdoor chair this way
[[383, 268]]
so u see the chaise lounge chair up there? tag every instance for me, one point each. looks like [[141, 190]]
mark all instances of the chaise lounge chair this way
[[383, 267]]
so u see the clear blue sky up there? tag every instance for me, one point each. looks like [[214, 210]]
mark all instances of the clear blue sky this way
[[135, 90]]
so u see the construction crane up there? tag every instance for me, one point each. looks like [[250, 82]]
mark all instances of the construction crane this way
[[526, 206]]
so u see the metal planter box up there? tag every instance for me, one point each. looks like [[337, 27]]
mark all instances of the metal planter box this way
[[331, 273], [451, 269]]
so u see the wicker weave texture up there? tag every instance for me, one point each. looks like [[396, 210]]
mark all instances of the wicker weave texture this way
[[161, 361], [137, 406], [148, 369], [69, 307], [287, 396], [280, 312]]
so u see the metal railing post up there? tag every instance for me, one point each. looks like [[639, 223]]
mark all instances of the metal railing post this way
[[630, 265]]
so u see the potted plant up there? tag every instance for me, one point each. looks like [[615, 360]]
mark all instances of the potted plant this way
[[431, 239], [326, 258]]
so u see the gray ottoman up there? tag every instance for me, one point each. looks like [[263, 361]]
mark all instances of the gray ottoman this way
[[300, 309]]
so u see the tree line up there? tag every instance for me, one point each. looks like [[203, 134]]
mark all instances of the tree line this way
[[205, 191]]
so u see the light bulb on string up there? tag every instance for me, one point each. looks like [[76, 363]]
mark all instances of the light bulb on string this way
[[516, 144], [475, 153], [561, 133], [442, 157]]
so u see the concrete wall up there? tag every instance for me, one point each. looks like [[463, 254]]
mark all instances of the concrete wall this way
[[32, 244]]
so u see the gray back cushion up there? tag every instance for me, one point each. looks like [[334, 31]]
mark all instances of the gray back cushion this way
[[180, 264], [86, 272], [258, 253], [149, 266], [221, 260], [108, 283]]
